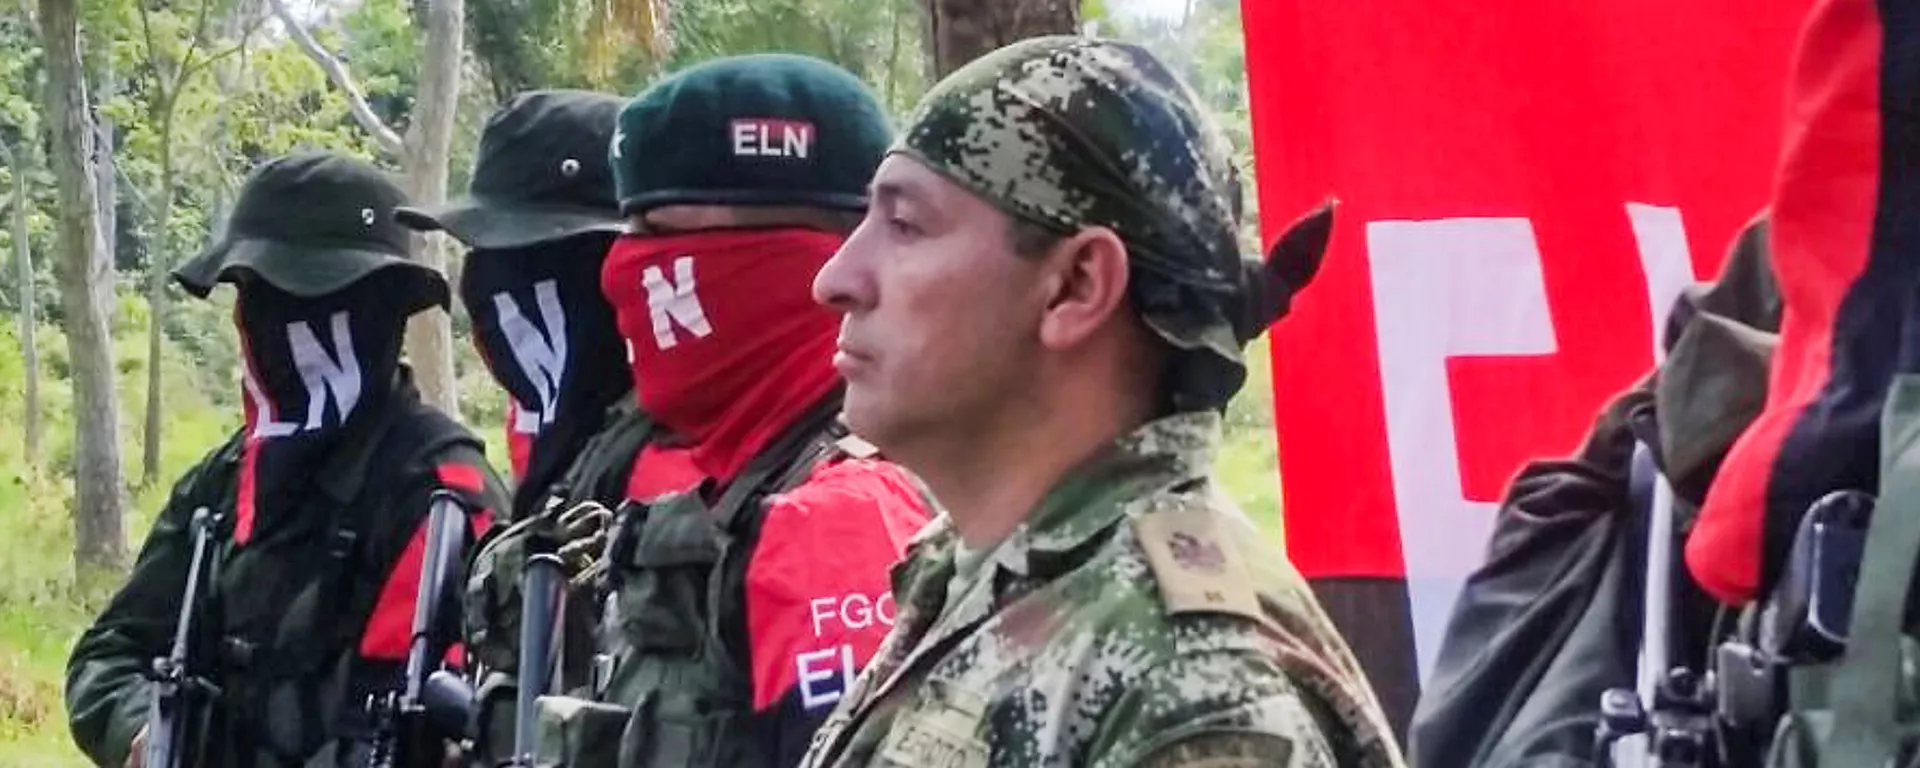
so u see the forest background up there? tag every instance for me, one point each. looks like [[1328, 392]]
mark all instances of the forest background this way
[[127, 125]]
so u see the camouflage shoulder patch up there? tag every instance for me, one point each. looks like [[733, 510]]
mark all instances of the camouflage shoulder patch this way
[[1226, 750], [1197, 569]]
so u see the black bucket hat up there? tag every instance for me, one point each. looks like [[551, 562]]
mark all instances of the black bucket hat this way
[[310, 224], [540, 174]]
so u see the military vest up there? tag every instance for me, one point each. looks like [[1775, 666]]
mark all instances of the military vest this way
[[492, 606], [605, 462], [284, 614], [1863, 707], [671, 684]]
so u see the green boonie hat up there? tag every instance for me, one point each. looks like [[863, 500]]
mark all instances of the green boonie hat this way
[[760, 129], [312, 223], [1069, 132], [540, 174]]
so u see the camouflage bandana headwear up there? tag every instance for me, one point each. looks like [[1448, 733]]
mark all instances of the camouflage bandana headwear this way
[[1069, 132]]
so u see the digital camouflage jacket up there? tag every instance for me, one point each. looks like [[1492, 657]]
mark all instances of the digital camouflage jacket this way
[[1135, 618]]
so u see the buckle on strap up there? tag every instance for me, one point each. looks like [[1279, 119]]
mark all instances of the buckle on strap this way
[[344, 544], [1751, 685]]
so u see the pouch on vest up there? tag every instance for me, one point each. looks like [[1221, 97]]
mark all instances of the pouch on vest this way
[[670, 726], [577, 733], [661, 590], [292, 610], [490, 613], [676, 605]]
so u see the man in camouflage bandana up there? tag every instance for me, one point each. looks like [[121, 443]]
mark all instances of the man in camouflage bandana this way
[[1045, 311]]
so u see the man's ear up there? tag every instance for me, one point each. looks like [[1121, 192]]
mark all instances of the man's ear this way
[[1088, 278]]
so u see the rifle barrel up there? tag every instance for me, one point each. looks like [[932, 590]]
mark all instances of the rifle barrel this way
[[167, 710], [543, 585], [446, 534]]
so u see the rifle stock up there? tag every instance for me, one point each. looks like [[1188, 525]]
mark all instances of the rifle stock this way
[[170, 713]]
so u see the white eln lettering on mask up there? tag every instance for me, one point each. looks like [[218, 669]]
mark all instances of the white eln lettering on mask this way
[[541, 356], [266, 412], [335, 376], [674, 302]]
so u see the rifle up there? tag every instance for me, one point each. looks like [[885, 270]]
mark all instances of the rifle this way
[[412, 725], [543, 597], [543, 585], [176, 690]]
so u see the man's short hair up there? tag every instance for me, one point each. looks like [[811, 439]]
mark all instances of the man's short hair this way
[[1030, 240]]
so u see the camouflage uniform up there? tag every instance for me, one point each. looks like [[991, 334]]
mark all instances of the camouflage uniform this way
[[1135, 609], [1135, 617]]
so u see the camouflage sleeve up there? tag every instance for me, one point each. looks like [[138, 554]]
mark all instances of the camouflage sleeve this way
[[1222, 695]]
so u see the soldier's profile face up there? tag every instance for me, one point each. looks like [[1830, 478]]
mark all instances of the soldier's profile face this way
[[940, 316]]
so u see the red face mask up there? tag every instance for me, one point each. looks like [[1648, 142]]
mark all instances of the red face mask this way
[[727, 346]]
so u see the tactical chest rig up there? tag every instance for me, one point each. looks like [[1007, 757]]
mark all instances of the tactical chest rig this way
[[670, 684], [278, 631]]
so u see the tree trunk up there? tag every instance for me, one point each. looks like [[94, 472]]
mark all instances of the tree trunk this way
[[959, 31], [23, 266], [105, 169], [424, 153], [893, 55], [158, 262], [227, 75], [224, 75], [86, 281], [429, 142]]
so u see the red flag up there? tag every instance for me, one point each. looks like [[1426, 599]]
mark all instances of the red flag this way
[[1525, 187]]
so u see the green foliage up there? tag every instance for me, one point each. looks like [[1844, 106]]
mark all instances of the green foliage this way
[[20, 130], [1249, 462], [556, 43], [524, 43], [20, 54], [42, 607], [878, 40], [1207, 49], [285, 104], [268, 99], [378, 41]]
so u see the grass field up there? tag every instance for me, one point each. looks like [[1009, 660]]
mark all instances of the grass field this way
[[42, 609]]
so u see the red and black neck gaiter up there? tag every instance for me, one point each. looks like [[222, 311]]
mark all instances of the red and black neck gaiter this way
[[548, 337], [728, 347], [310, 368]]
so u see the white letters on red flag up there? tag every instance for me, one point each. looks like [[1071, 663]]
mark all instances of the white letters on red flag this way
[[1525, 188]]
